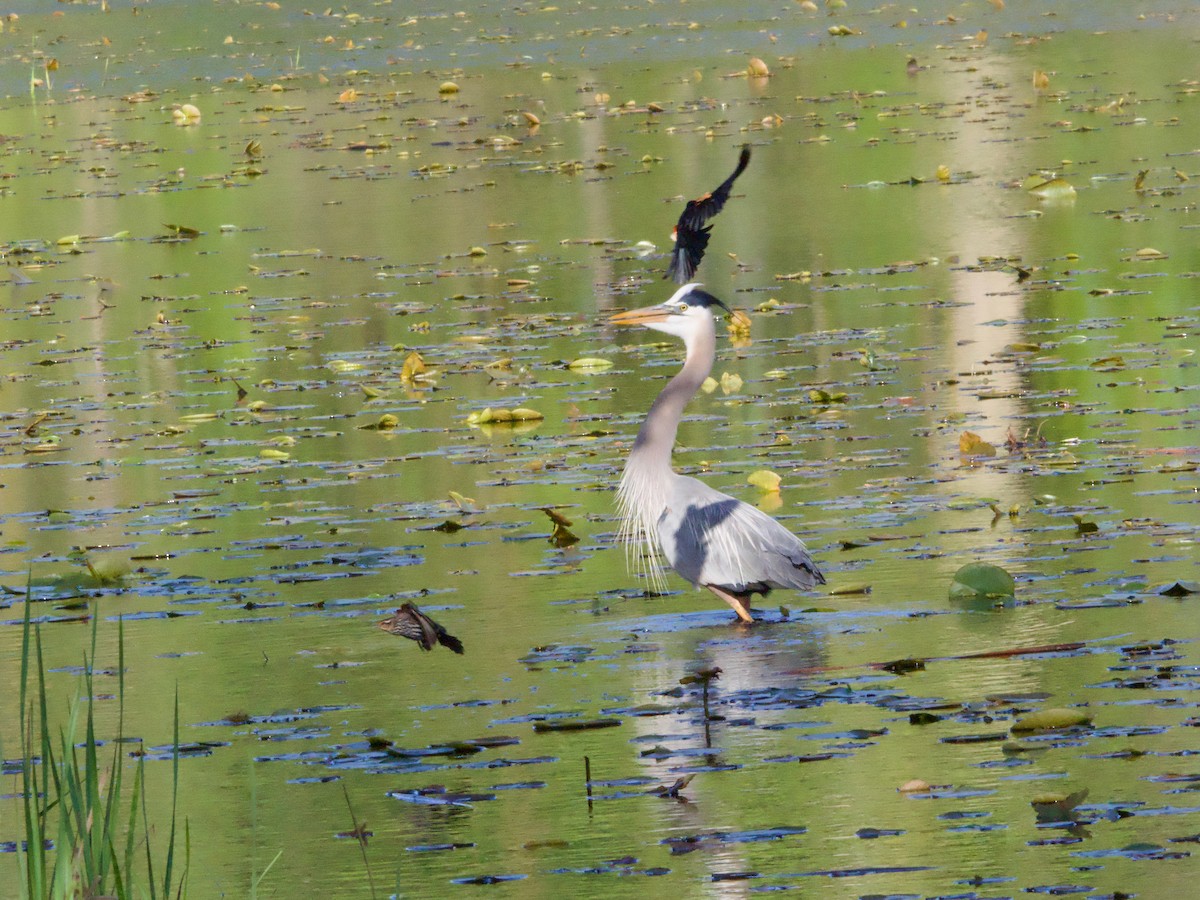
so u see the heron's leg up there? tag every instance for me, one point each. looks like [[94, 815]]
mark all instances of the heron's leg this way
[[739, 606]]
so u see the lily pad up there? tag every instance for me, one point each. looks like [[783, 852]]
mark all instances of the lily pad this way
[[982, 581], [1051, 720]]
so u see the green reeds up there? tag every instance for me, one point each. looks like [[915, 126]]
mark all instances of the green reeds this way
[[83, 837]]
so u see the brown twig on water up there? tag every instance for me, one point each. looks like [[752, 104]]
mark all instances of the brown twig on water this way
[[360, 834], [587, 779], [1067, 647]]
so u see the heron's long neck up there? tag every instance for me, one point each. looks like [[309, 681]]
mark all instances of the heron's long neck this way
[[656, 437], [646, 482]]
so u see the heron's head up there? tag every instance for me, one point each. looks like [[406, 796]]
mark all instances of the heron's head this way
[[688, 308]]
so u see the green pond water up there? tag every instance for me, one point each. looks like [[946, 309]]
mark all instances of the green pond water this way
[[330, 213]]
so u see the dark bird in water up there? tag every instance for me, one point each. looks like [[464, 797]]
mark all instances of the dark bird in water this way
[[409, 622], [691, 233]]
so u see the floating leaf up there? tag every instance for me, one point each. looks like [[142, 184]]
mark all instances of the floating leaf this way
[[487, 416], [386, 422], [982, 580], [1057, 807], [731, 382], [414, 366], [816, 395], [738, 324], [589, 363], [499, 415], [765, 480], [1054, 189], [971, 444], [562, 536], [462, 502], [1050, 720], [185, 114]]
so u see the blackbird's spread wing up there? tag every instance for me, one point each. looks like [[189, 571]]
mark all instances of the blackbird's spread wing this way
[[691, 231], [433, 633], [425, 628], [411, 623], [699, 211], [689, 250]]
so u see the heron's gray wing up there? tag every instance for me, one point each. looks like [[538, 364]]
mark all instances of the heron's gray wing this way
[[711, 538]]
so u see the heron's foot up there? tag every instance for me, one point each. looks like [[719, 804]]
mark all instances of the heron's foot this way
[[741, 607]]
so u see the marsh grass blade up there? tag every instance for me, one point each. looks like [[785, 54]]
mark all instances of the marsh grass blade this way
[[69, 791]]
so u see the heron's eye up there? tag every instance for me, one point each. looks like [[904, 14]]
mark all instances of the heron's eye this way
[[683, 307]]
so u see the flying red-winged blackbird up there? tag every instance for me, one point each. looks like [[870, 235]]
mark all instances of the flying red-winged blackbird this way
[[691, 234], [409, 622]]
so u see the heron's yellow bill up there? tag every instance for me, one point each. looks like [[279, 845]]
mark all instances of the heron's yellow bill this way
[[641, 316]]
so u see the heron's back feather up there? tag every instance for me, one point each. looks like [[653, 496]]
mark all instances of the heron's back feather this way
[[711, 538]]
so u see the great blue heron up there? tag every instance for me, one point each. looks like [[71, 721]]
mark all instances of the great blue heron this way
[[714, 541], [690, 234], [409, 622]]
